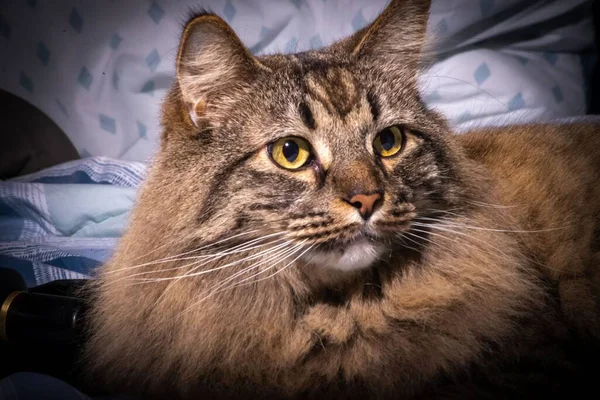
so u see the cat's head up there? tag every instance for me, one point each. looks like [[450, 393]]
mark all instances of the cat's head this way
[[329, 154]]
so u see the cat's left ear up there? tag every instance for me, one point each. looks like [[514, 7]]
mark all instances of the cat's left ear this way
[[211, 63], [397, 35]]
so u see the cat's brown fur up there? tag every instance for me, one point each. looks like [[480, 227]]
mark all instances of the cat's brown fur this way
[[493, 280]]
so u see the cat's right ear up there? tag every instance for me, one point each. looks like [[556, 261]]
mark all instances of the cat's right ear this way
[[397, 36], [211, 62]]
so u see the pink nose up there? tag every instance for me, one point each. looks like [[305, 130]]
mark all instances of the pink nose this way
[[365, 203]]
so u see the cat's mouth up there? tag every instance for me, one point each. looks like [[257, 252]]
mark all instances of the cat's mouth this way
[[360, 252]]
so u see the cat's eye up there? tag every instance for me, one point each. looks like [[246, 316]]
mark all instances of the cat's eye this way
[[389, 141], [290, 152]]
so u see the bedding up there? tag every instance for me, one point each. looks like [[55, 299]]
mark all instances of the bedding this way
[[62, 222], [101, 69]]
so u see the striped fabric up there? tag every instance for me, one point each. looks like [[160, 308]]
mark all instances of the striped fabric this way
[[63, 222]]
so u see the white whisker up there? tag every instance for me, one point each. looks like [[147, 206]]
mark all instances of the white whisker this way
[[482, 204], [284, 245], [208, 257], [476, 248], [459, 225], [454, 240], [275, 273], [402, 237], [230, 264], [169, 258], [280, 255], [431, 241], [219, 287]]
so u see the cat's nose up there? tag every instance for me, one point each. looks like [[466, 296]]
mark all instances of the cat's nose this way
[[365, 203]]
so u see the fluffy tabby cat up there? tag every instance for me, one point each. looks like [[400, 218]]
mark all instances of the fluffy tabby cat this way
[[310, 229]]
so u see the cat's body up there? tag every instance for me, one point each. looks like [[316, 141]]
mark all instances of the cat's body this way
[[395, 263]]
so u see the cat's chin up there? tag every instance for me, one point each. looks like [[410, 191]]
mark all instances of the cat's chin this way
[[359, 254]]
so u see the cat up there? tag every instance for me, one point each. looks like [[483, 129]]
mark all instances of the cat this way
[[310, 229]]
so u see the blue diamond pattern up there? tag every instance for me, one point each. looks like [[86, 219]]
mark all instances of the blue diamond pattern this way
[[62, 108], [26, 82], [482, 73], [148, 88], [4, 28], [463, 117], [107, 123], [142, 129], [297, 3], [115, 41], [229, 10], [76, 21], [43, 53], [115, 80], [522, 60], [292, 45], [486, 6], [516, 103], [557, 93], [156, 12], [552, 58], [266, 32], [432, 97], [31, 3], [85, 78], [152, 60], [359, 21], [442, 27], [316, 42], [266, 36]]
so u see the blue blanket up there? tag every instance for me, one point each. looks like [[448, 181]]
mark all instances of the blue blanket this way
[[63, 222]]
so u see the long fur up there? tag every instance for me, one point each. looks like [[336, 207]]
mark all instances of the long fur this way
[[488, 284]]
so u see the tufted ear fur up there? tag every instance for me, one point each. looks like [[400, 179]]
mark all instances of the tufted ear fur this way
[[211, 63], [396, 36]]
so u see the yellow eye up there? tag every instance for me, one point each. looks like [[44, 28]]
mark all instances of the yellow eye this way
[[389, 141], [290, 152]]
